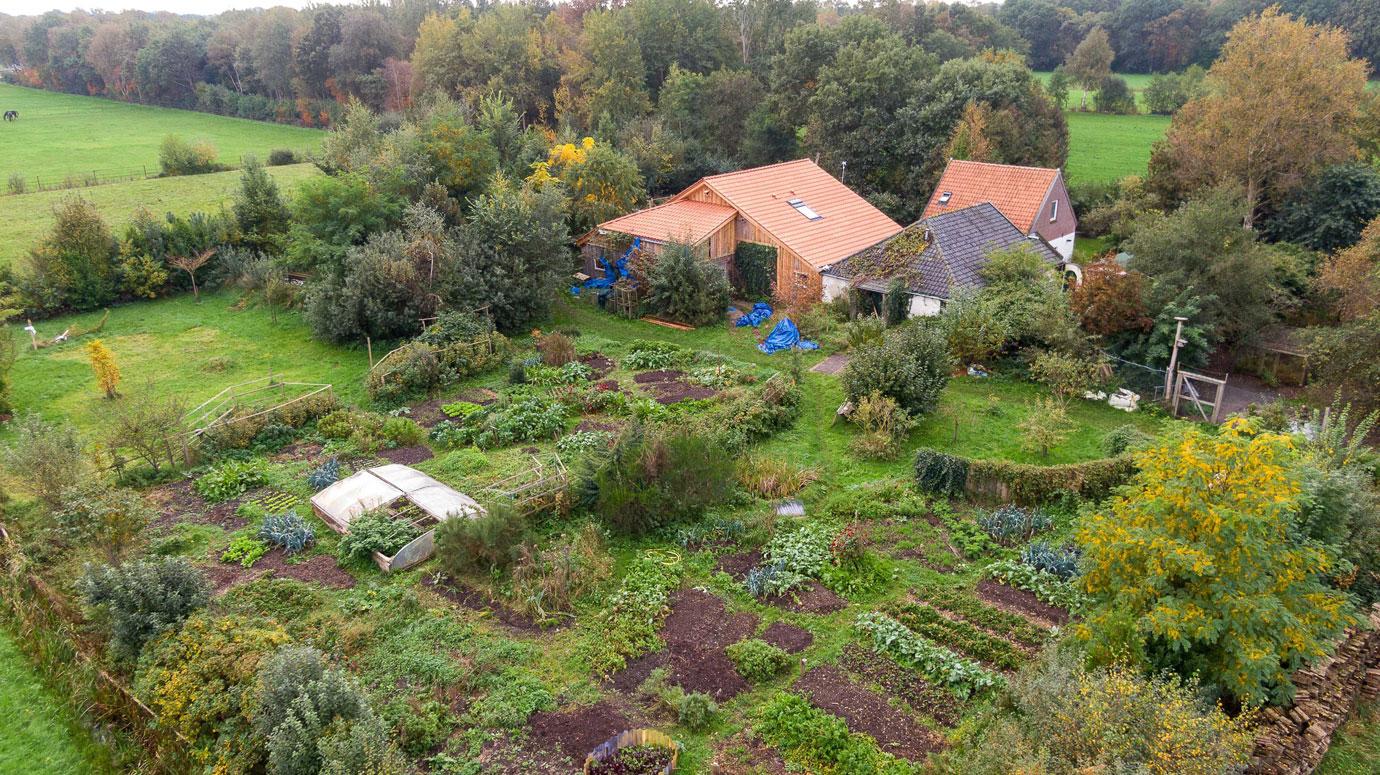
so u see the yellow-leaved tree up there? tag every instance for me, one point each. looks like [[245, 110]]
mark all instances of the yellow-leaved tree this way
[[106, 370], [1199, 566]]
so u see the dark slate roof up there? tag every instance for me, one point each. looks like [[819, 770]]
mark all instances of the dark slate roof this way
[[960, 241]]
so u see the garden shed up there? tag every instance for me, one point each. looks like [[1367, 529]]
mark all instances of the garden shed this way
[[405, 491]]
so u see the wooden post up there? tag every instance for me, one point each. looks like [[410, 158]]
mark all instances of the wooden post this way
[[368, 344], [33, 333], [1169, 380]]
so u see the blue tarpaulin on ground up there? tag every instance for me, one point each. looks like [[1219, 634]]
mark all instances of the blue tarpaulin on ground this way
[[612, 272], [761, 312], [784, 337]]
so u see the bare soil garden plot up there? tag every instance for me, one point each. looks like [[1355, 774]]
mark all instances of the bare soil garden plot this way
[[417, 453], [477, 601], [866, 711], [738, 564], [696, 631], [923, 697], [599, 363], [1019, 601], [812, 598], [788, 637], [668, 386], [321, 569], [574, 733], [177, 502]]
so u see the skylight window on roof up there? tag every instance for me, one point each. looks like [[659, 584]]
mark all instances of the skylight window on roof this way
[[945, 197], [804, 209]]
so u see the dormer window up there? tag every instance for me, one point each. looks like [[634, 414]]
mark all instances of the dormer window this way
[[945, 197], [1054, 211], [804, 209]]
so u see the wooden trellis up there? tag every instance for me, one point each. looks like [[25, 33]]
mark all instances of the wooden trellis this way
[[220, 408], [539, 487], [1185, 390]]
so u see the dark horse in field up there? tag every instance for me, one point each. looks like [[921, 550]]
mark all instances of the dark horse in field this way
[[11, 115]]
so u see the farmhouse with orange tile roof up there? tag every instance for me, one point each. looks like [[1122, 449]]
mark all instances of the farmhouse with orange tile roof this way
[[1035, 199], [811, 218]]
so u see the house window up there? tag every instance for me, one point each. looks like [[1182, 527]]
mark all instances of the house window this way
[[945, 197], [804, 209], [1054, 211]]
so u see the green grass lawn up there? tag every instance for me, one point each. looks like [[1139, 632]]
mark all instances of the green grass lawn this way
[[1356, 746], [1105, 147], [986, 411], [65, 134], [26, 218], [178, 344], [39, 734]]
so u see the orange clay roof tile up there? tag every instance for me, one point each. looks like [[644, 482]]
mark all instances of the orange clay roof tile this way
[[846, 223], [683, 221], [1017, 192]]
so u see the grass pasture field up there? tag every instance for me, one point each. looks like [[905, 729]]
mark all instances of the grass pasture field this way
[[191, 349], [26, 218], [1105, 147], [40, 735], [60, 135]]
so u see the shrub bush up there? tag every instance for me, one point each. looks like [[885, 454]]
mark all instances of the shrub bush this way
[[279, 157], [685, 288], [696, 710], [556, 348], [758, 661], [867, 331], [231, 479], [884, 427], [911, 365], [46, 457], [939, 473], [412, 369], [1067, 375], [1123, 439], [201, 682], [375, 531], [653, 478], [482, 544], [142, 599], [97, 514], [549, 580], [288, 531], [179, 157]]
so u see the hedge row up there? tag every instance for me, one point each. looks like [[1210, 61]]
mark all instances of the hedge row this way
[[940, 473]]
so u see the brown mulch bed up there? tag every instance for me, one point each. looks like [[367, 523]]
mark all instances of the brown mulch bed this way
[[637, 670], [922, 696], [590, 424], [321, 569], [668, 386], [407, 456], [696, 631], [178, 502], [676, 392], [868, 712], [599, 363], [476, 601], [788, 637], [1022, 602], [737, 565], [813, 598], [575, 733], [608, 386]]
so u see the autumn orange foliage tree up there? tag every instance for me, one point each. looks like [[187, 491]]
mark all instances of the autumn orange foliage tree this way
[[1111, 299], [1283, 101], [106, 370], [1200, 566], [1353, 275]]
